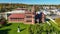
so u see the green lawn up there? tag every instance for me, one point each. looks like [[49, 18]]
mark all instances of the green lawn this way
[[12, 29]]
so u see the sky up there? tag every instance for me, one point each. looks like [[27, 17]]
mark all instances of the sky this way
[[32, 1]]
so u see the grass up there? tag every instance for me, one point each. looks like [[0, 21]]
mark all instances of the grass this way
[[12, 29], [57, 20]]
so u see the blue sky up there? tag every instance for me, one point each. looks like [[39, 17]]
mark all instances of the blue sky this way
[[32, 1]]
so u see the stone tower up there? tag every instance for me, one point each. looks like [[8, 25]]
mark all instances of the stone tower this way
[[42, 18]]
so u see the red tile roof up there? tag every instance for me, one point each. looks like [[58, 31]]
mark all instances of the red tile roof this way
[[17, 16]]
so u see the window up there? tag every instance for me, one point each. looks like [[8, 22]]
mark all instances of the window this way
[[28, 12], [29, 21], [17, 18], [28, 16]]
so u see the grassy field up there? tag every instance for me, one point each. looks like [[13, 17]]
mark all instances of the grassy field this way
[[57, 20], [12, 29]]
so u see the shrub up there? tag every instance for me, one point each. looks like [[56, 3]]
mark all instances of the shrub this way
[[30, 30], [45, 28], [3, 21]]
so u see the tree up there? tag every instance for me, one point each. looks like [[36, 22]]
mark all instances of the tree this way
[[3, 21]]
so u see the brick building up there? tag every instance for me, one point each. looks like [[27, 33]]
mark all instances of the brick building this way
[[24, 17]]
